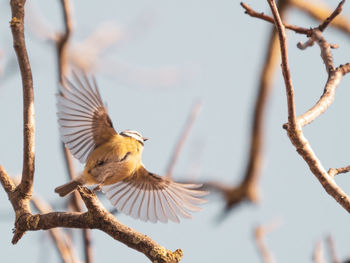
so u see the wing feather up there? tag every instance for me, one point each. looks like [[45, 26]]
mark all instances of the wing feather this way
[[82, 116], [153, 198]]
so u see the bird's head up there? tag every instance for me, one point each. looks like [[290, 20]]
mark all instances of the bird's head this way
[[134, 134]]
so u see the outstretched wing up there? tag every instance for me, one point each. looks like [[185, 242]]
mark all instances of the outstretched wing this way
[[83, 119], [150, 197]]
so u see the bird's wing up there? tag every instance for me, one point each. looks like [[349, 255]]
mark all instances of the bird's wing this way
[[150, 197], [82, 116]]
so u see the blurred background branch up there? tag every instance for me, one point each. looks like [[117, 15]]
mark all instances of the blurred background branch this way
[[260, 233]]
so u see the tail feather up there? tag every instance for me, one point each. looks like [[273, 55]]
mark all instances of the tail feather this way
[[67, 188]]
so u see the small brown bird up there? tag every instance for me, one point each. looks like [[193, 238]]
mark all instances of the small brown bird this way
[[113, 160]]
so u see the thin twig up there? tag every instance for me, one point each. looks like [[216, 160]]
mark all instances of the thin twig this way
[[331, 248], [63, 39], [181, 141], [320, 12], [249, 11], [6, 181], [294, 127], [334, 171], [297, 29], [327, 97], [259, 234], [329, 19], [318, 253], [285, 65]]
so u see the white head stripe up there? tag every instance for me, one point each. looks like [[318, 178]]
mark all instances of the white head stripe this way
[[134, 134]]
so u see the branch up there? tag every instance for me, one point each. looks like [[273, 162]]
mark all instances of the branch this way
[[20, 197], [285, 66], [331, 248], [249, 11], [334, 171], [6, 181], [181, 141], [294, 127], [259, 233], [97, 217], [297, 29], [17, 28], [318, 253], [63, 39], [328, 95], [319, 12], [329, 19]]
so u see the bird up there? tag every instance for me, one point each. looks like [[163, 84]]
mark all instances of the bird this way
[[113, 161]]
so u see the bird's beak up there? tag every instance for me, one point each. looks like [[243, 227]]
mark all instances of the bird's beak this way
[[144, 139]]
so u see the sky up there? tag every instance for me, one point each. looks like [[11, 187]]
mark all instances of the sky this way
[[166, 56]]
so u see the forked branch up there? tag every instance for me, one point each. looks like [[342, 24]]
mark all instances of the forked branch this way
[[320, 12], [97, 217], [294, 127]]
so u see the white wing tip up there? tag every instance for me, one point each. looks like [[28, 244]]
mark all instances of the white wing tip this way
[[148, 204]]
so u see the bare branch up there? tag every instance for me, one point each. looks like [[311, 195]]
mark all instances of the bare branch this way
[[331, 248], [334, 171], [6, 181], [329, 19], [335, 76], [249, 11], [17, 28], [63, 39], [259, 234], [294, 127], [298, 29], [97, 217], [285, 66], [181, 141], [318, 253], [320, 12]]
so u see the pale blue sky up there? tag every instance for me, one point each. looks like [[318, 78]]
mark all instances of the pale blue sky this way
[[218, 52]]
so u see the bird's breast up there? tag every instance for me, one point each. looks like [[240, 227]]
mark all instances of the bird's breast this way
[[113, 162]]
